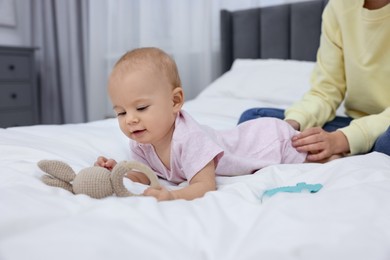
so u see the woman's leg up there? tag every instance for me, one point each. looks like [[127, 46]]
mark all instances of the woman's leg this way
[[254, 113], [382, 144], [336, 123]]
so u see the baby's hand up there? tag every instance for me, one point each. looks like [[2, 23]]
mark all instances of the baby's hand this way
[[160, 193], [102, 161]]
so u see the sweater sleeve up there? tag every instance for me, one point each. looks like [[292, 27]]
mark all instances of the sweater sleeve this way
[[363, 132], [319, 105]]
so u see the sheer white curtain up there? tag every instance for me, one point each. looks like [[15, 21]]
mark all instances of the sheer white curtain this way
[[186, 29]]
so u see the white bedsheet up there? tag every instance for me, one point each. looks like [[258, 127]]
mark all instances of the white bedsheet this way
[[349, 218]]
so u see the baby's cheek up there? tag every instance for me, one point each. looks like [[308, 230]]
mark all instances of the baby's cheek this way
[[125, 131]]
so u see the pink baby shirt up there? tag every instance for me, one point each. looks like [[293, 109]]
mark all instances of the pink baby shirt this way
[[244, 149]]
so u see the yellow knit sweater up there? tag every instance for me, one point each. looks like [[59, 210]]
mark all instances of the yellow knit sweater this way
[[353, 64]]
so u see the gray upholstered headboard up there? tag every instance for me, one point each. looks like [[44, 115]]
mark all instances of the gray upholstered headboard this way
[[289, 31]]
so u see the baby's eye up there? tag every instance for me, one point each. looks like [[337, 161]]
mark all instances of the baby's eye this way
[[142, 108], [120, 113]]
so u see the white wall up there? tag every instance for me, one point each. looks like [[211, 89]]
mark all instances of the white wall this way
[[20, 33]]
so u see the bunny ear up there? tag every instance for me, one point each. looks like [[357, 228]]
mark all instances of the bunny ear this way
[[54, 182], [57, 169], [59, 174], [122, 168]]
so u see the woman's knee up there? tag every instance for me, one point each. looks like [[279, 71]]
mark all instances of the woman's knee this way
[[254, 113], [382, 144]]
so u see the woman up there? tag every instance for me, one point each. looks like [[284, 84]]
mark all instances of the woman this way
[[353, 65]]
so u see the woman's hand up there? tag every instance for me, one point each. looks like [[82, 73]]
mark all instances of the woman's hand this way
[[102, 161], [320, 144]]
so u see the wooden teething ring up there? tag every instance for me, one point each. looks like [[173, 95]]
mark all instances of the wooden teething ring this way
[[122, 168]]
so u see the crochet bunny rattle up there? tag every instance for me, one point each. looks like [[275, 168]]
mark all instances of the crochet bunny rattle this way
[[96, 182]]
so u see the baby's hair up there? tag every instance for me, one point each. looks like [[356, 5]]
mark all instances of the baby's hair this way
[[151, 58]]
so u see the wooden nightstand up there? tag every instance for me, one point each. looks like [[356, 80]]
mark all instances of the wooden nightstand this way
[[18, 89]]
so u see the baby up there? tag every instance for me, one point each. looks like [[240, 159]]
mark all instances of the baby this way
[[147, 97]]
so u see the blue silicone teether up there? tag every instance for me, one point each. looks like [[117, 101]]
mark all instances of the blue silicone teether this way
[[299, 187]]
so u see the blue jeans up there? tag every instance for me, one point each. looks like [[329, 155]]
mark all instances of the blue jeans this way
[[381, 145]]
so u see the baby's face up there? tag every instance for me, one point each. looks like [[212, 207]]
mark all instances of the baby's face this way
[[143, 103]]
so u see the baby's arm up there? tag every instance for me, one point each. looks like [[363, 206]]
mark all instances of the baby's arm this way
[[201, 183], [138, 177]]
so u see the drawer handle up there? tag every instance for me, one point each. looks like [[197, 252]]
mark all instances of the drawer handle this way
[[14, 95], [11, 67]]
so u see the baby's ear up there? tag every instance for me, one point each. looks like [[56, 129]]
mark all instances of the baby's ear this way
[[177, 98], [59, 173]]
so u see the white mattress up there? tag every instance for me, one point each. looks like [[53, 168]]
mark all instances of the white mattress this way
[[349, 218]]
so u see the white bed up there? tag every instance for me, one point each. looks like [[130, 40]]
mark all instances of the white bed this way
[[349, 218]]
